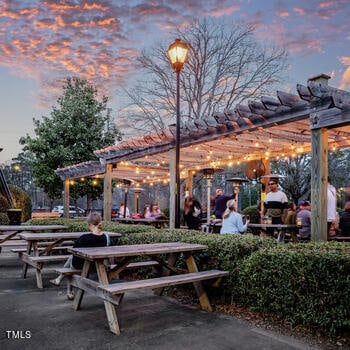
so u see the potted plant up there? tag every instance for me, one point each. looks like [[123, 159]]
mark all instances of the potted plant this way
[[14, 216]]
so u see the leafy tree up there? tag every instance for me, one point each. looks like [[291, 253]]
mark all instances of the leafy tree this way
[[225, 66], [339, 167], [78, 125], [297, 172], [19, 172]]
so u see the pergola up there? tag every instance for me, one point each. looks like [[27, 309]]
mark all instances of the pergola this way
[[313, 121]]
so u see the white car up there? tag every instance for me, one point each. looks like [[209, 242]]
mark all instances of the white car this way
[[72, 211]]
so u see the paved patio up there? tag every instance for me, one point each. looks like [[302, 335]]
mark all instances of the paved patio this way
[[45, 319]]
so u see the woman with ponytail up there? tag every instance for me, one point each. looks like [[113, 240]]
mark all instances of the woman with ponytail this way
[[232, 221]]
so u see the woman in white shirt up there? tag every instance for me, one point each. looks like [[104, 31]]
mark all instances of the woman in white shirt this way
[[232, 221]]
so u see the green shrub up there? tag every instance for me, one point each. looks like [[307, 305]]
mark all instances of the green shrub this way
[[4, 220], [305, 284], [4, 204], [21, 201], [252, 211]]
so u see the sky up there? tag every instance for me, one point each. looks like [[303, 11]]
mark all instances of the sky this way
[[42, 42]]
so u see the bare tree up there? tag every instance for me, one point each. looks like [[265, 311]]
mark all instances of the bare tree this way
[[226, 66]]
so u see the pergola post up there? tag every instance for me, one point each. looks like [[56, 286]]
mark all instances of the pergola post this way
[[66, 198], [107, 193], [319, 174]]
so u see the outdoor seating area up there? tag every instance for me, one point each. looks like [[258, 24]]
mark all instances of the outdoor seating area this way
[[47, 248], [146, 321], [111, 276]]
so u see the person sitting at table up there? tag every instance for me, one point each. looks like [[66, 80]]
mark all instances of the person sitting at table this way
[[124, 211], [155, 213], [304, 219], [344, 220], [232, 222], [94, 239], [192, 213], [291, 216], [145, 212]]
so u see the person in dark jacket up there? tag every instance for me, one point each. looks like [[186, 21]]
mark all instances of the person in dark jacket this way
[[220, 202], [94, 239], [192, 213], [344, 220]]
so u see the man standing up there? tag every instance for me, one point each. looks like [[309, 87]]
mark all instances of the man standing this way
[[220, 202], [275, 204]]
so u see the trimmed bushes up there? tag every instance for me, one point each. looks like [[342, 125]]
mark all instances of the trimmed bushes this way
[[305, 284]]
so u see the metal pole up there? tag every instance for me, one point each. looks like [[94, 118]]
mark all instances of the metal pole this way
[[125, 200], [208, 199], [177, 152]]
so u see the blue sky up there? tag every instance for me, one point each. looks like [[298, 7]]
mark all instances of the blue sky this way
[[44, 41]]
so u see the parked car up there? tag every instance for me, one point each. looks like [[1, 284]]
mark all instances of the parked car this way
[[72, 212]]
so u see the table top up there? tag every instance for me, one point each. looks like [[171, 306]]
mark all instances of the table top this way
[[273, 225], [35, 228], [35, 236], [146, 220], [135, 250]]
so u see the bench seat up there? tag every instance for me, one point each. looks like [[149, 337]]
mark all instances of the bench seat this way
[[66, 271], [23, 243], [37, 261], [161, 282], [46, 215], [24, 250]]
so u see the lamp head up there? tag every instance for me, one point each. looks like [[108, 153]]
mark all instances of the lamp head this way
[[177, 52]]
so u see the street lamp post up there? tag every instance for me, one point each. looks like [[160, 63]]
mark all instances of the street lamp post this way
[[177, 52]]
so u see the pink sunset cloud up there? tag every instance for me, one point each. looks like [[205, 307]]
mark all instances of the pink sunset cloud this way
[[345, 80], [100, 40]]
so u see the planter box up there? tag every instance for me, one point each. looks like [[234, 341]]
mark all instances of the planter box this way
[[14, 216]]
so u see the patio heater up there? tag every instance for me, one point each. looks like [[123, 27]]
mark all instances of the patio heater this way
[[137, 191], [208, 174], [126, 184], [236, 182]]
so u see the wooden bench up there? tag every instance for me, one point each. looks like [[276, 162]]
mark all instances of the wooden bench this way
[[21, 251], [38, 261], [161, 282], [69, 272], [22, 244], [46, 215]]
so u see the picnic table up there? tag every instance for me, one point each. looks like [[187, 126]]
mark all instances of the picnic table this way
[[281, 228], [112, 293], [36, 257], [159, 223], [9, 232]]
